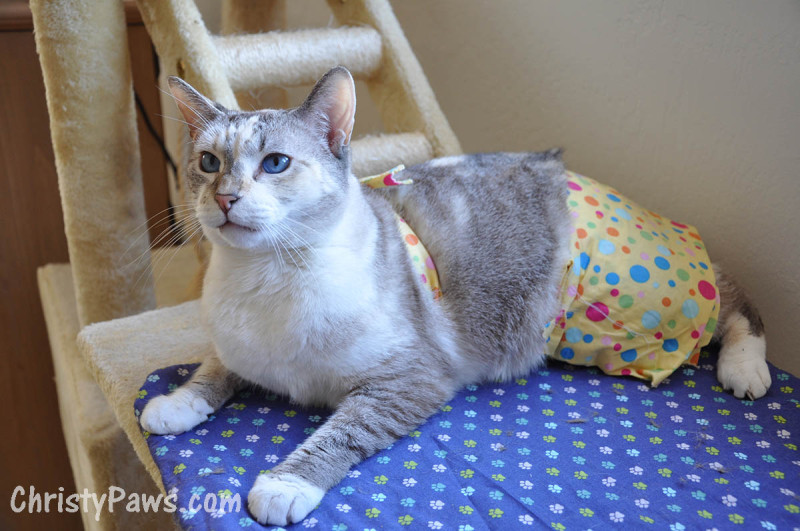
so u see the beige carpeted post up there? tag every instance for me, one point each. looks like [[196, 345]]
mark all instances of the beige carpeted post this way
[[400, 88], [83, 51]]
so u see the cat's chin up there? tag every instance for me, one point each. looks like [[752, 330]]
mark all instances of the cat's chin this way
[[238, 236]]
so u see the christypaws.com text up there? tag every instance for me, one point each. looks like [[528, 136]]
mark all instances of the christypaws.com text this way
[[116, 498]]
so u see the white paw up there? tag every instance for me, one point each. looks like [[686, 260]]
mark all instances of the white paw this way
[[742, 368], [174, 413], [282, 499]]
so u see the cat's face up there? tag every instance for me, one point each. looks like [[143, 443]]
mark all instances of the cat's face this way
[[272, 179]]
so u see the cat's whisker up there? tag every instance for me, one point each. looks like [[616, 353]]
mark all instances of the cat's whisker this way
[[173, 212], [156, 259], [174, 251], [170, 235]]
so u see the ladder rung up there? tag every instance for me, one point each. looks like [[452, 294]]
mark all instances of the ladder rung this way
[[378, 153], [280, 58]]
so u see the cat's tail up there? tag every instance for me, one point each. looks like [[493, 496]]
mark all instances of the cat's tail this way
[[742, 365]]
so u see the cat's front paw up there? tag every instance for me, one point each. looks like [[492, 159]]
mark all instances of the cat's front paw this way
[[174, 413], [282, 499]]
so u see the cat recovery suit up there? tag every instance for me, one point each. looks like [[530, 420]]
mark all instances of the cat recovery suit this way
[[637, 298]]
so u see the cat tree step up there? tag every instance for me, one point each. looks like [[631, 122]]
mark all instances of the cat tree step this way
[[377, 153], [279, 58]]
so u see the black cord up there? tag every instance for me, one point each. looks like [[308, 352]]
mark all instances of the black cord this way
[[154, 133]]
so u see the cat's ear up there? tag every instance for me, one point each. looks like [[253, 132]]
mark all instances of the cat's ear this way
[[332, 107], [197, 110]]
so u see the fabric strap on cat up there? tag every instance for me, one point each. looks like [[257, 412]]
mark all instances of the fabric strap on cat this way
[[420, 258]]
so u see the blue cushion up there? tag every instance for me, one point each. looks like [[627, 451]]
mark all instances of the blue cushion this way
[[566, 447]]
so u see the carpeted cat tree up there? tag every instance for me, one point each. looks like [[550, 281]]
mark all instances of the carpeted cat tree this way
[[108, 294]]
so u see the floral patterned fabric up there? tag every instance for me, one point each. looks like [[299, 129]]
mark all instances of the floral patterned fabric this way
[[567, 447]]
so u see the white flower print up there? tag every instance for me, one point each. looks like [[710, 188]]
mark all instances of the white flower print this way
[[643, 388], [557, 508], [523, 409], [310, 522], [525, 484], [252, 438], [570, 390], [439, 468], [283, 427], [616, 517], [272, 458], [354, 474], [606, 450], [729, 500], [672, 404], [343, 507], [636, 470], [496, 418], [682, 446], [263, 410], [596, 405], [676, 418], [437, 505], [609, 481], [787, 492], [750, 416], [594, 382], [574, 415], [783, 434], [642, 503], [525, 519], [762, 444], [525, 465], [443, 437], [185, 453], [774, 405], [201, 432], [522, 434], [409, 482], [414, 447], [499, 392], [235, 482], [694, 478], [603, 432], [435, 525]]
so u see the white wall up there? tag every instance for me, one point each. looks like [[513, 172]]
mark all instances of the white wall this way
[[690, 108]]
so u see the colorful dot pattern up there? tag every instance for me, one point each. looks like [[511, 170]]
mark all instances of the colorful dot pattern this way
[[564, 448], [420, 258], [638, 297]]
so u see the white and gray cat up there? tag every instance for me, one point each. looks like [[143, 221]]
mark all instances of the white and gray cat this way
[[310, 292]]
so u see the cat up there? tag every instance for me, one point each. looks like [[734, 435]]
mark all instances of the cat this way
[[310, 291]]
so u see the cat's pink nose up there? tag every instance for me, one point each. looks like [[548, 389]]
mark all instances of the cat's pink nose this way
[[225, 201]]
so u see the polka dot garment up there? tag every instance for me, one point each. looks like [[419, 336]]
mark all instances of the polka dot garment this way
[[420, 258], [638, 297]]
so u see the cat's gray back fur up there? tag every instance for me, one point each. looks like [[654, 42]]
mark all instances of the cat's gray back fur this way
[[498, 230]]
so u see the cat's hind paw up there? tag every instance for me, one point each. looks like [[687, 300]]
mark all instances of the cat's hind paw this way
[[174, 413], [282, 499], [742, 368]]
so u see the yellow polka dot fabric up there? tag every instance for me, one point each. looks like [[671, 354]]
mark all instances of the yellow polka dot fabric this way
[[420, 258], [639, 297]]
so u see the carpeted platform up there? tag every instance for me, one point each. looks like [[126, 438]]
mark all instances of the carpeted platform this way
[[567, 447]]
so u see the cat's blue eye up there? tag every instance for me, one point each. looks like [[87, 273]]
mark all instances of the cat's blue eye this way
[[209, 163], [275, 163]]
